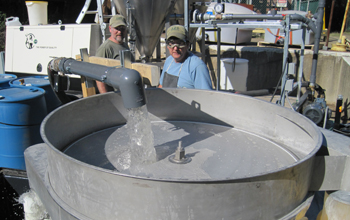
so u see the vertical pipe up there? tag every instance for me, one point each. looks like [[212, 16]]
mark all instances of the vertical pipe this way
[[301, 65], [186, 20], [218, 59], [330, 22], [158, 51], [167, 25], [285, 60], [319, 23], [203, 45]]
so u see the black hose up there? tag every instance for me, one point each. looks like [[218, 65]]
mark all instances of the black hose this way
[[60, 94], [319, 22]]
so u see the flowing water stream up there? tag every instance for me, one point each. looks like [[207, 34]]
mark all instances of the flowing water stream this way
[[140, 149]]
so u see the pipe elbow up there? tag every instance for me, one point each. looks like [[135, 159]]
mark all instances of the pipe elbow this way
[[128, 81], [130, 85], [305, 20]]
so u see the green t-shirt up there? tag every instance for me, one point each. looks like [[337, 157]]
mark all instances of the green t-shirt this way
[[109, 49]]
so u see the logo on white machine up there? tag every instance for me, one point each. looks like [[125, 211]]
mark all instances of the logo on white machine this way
[[30, 41]]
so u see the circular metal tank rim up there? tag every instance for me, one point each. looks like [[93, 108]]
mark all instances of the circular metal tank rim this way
[[243, 179]]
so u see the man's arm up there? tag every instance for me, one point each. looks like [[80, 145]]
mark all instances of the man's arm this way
[[202, 79], [102, 88]]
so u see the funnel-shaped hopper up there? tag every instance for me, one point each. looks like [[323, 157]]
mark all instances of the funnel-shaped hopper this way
[[149, 18]]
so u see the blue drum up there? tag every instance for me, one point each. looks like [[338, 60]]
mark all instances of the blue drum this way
[[5, 79], [21, 113], [43, 82]]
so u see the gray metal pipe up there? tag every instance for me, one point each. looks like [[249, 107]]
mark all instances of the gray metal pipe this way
[[309, 22], [128, 81], [319, 22], [293, 17], [205, 17]]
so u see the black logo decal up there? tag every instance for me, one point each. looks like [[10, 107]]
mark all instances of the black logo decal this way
[[30, 41]]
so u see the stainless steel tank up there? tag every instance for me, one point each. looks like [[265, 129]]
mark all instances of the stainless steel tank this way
[[256, 158], [150, 16]]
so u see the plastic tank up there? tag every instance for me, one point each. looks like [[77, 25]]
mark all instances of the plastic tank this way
[[250, 159], [5, 79], [234, 74], [37, 12], [21, 112], [43, 82]]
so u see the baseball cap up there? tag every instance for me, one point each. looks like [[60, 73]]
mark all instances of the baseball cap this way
[[177, 31], [117, 20]]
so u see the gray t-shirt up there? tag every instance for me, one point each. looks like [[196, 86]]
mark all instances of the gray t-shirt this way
[[110, 49]]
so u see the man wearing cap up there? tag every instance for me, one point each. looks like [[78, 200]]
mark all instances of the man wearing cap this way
[[111, 47], [183, 69]]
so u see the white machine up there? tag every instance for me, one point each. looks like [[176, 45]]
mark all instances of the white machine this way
[[229, 35], [30, 48]]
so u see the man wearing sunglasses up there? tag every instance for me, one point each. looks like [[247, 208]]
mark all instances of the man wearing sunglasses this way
[[111, 47], [182, 69]]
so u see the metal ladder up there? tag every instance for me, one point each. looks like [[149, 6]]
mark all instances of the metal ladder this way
[[98, 11]]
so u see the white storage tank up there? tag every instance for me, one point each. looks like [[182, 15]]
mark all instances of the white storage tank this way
[[228, 35], [234, 74]]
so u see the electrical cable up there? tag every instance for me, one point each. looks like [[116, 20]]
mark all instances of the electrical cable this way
[[286, 94], [284, 68]]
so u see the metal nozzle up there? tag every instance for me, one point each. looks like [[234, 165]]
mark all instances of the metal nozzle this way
[[179, 157]]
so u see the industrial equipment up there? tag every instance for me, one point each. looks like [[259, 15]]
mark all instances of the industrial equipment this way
[[30, 48], [240, 155]]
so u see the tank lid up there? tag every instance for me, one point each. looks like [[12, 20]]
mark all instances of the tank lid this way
[[13, 94], [31, 81], [6, 77]]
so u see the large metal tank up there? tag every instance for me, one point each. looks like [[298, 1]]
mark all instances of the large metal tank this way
[[256, 158], [150, 16]]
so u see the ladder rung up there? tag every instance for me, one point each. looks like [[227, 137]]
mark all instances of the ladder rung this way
[[91, 12]]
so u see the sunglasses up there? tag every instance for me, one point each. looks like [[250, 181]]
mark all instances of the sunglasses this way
[[120, 28], [179, 45]]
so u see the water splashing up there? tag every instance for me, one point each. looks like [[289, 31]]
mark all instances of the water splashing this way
[[141, 136], [140, 150]]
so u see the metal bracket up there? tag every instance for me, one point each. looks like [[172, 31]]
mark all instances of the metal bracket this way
[[85, 57]]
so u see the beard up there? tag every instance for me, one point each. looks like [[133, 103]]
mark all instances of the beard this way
[[119, 38]]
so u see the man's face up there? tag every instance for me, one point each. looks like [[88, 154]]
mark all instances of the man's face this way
[[118, 33], [178, 49]]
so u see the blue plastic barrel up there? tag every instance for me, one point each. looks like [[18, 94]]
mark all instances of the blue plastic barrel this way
[[43, 82], [5, 79], [22, 106], [21, 113], [13, 142]]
